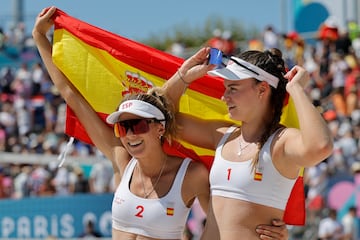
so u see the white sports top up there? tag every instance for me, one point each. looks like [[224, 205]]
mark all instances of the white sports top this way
[[237, 180], [162, 218]]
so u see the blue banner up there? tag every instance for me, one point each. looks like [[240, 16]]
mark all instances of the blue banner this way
[[63, 217]]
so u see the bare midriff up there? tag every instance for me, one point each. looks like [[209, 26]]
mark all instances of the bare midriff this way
[[121, 235], [237, 219]]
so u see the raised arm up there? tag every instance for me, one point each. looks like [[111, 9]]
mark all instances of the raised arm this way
[[203, 133], [193, 68], [312, 143], [101, 135]]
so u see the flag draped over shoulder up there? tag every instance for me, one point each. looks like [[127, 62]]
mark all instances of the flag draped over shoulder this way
[[104, 67]]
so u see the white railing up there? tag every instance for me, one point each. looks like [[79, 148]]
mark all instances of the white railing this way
[[46, 159]]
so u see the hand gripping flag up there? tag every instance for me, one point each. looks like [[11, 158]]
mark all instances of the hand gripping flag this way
[[104, 67]]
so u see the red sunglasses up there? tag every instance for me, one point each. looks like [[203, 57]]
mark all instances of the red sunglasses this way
[[137, 126]]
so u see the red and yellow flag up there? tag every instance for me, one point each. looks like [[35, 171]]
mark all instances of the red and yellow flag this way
[[170, 211], [104, 67]]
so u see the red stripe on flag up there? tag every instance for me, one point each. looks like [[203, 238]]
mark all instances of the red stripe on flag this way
[[138, 55], [295, 213]]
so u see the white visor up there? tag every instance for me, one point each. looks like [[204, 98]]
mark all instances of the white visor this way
[[138, 108], [234, 71]]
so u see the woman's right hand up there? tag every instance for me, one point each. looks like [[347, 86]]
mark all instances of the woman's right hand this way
[[278, 230], [196, 66], [43, 21], [192, 68]]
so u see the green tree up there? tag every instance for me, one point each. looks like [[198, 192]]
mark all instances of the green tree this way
[[194, 36]]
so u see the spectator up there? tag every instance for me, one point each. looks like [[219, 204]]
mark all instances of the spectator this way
[[316, 180], [89, 231], [24, 83], [343, 43], [38, 177], [46, 188], [355, 44], [21, 187], [81, 184], [229, 45], [7, 117], [216, 41], [62, 181], [347, 143], [270, 38], [2, 39], [337, 73], [330, 227], [350, 223], [100, 177], [7, 186], [177, 48], [6, 79], [23, 117], [37, 76]]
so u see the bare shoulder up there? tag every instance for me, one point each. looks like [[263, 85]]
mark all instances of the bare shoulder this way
[[285, 134], [288, 132], [223, 127], [197, 168], [197, 175], [196, 184]]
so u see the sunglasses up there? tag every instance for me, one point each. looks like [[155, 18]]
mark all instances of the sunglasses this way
[[137, 126], [217, 57]]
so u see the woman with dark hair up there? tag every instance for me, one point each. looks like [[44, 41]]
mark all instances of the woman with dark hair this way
[[256, 162]]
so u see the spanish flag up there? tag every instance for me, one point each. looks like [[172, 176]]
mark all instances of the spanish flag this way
[[258, 176], [104, 67], [170, 211]]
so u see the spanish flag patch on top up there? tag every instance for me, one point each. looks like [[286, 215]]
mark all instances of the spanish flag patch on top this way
[[170, 211], [258, 173], [258, 176]]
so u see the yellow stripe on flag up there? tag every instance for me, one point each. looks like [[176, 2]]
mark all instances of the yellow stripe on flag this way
[[99, 77]]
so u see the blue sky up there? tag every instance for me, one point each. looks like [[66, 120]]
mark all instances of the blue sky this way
[[140, 19]]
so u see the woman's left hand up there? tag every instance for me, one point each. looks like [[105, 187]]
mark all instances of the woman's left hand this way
[[44, 21], [297, 76]]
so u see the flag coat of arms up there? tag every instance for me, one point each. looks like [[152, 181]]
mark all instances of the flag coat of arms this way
[[104, 67]]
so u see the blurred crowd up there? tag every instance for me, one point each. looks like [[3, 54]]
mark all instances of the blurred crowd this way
[[32, 114], [32, 121]]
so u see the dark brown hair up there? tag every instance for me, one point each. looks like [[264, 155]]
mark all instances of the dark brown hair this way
[[271, 61]]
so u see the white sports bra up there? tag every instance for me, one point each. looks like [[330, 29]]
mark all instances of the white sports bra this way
[[162, 218], [237, 180]]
